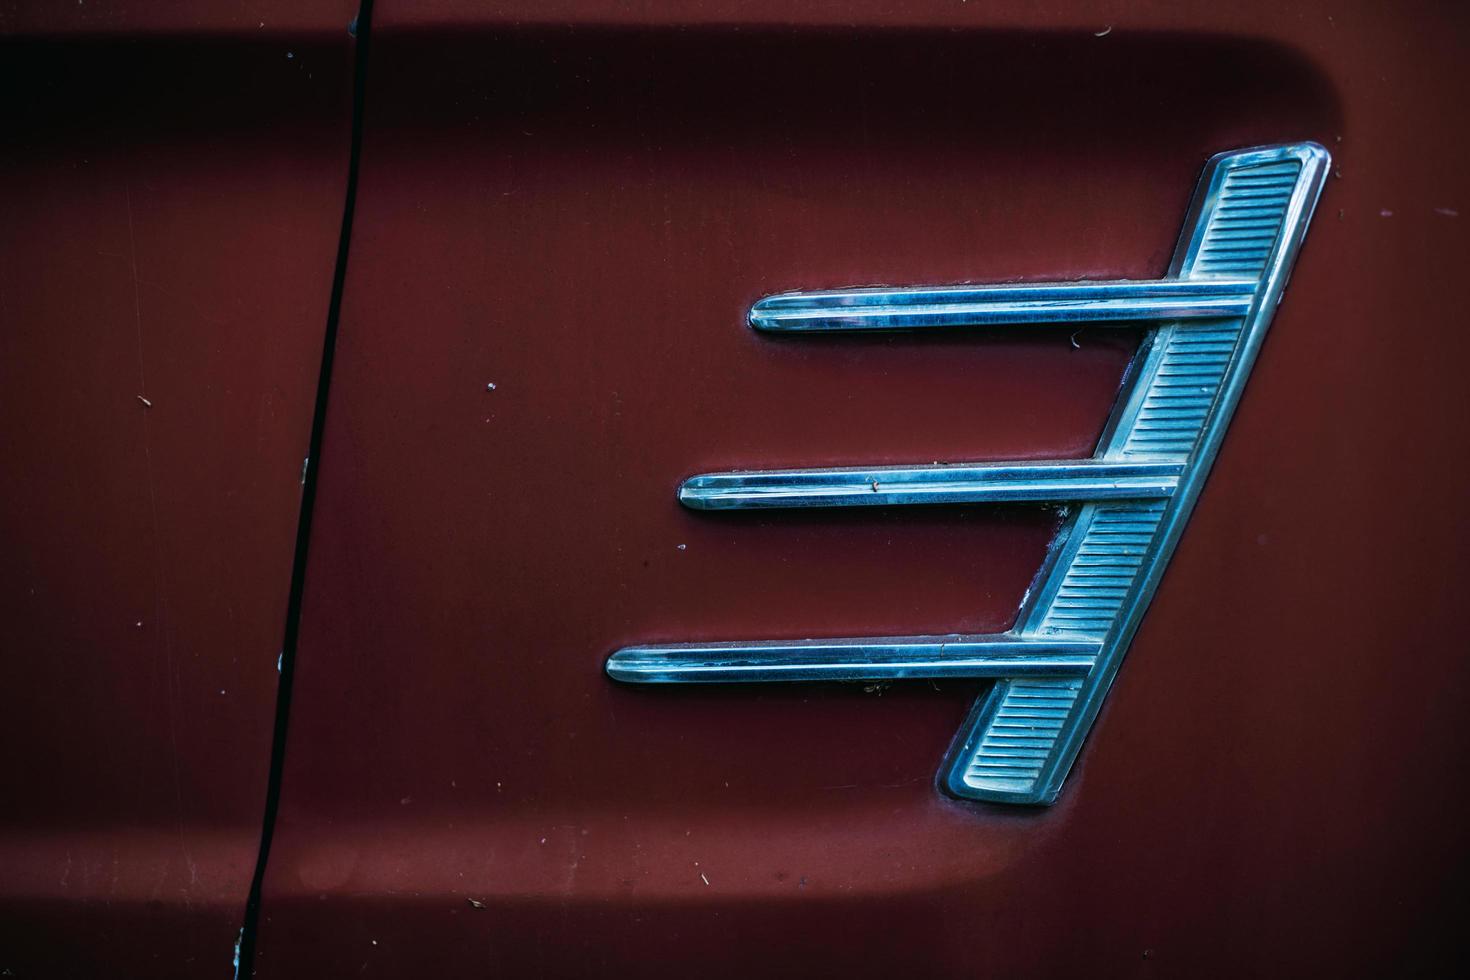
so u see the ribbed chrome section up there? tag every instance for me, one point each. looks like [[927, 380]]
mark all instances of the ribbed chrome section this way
[[1246, 221], [1102, 560], [1174, 406], [1025, 720]]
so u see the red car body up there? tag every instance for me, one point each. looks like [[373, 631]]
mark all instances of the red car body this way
[[559, 215]]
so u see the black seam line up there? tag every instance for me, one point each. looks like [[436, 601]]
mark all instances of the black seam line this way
[[250, 928]]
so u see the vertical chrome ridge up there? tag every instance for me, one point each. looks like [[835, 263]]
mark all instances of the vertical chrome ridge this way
[[1178, 405], [1244, 228]]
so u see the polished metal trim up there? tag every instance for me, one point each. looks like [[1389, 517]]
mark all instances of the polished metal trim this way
[[1048, 481], [895, 658], [1020, 303], [1244, 228]]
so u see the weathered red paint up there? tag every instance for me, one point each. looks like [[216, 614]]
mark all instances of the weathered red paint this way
[[169, 212], [577, 201], [582, 216]]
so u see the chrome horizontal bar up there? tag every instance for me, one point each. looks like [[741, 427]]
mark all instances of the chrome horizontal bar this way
[[974, 306], [1041, 481], [888, 658]]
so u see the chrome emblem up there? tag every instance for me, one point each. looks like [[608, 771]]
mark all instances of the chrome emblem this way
[[1127, 504]]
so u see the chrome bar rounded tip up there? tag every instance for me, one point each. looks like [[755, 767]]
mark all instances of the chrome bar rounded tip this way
[[619, 668], [694, 493]]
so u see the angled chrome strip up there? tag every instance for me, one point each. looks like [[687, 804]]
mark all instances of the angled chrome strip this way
[[977, 306], [961, 484], [897, 658], [1244, 228]]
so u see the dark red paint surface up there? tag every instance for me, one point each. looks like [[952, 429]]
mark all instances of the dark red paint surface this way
[[578, 201], [582, 216], [169, 213]]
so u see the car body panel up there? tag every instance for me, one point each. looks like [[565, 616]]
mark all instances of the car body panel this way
[[566, 209], [577, 204], [172, 193]]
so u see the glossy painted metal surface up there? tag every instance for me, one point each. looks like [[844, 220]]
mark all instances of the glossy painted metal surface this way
[[578, 214], [1249, 216], [169, 210]]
